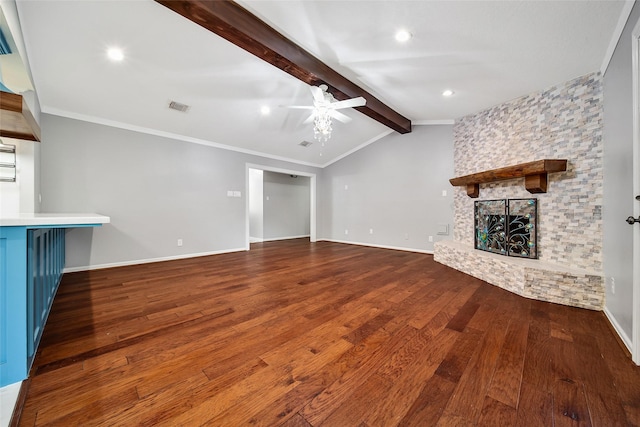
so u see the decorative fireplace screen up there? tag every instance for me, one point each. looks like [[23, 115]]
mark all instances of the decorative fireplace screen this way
[[507, 227]]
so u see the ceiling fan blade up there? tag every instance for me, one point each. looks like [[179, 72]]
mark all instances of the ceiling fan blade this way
[[348, 103], [318, 94], [309, 119], [339, 116]]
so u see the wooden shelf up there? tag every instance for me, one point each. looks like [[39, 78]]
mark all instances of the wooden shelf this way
[[16, 121], [534, 173]]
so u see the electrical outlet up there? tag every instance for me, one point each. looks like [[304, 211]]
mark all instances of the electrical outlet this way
[[406, 236], [371, 231], [179, 242], [613, 286], [346, 232], [431, 238]]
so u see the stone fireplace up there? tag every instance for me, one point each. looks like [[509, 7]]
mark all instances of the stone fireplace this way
[[565, 122]]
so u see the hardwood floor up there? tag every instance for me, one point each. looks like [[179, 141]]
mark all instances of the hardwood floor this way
[[299, 334]]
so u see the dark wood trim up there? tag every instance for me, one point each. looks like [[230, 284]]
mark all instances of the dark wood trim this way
[[16, 121], [536, 183], [10, 102], [22, 398], [473, 190], [534, 173], [239, 26]]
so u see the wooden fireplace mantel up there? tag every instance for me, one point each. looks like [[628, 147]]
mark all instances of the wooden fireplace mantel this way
[[534, 173]]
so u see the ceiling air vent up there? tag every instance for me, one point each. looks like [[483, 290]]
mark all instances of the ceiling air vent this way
[[305, 143], [178, 106]]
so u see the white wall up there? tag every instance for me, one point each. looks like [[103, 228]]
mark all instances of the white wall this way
[[20, 196], [156, 190], [286, 206], [393, 186], [256, 205], [618, 182]]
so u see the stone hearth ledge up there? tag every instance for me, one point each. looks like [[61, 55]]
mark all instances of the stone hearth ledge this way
[[529, 278]]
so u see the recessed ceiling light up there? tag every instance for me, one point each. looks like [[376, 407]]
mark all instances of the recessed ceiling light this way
[[447, 93], [403, 36], [265, 110], [115, 54]]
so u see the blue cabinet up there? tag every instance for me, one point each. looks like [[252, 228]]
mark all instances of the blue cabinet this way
[[13, 307], [31, 267], [45, 262]]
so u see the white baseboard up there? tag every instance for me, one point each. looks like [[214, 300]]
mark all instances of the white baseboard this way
[[273, 239], [148, 260], [194, 255], [8, 399], [616, 326], [395, 248]]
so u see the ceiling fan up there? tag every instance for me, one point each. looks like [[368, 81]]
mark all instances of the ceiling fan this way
[[325, 108]]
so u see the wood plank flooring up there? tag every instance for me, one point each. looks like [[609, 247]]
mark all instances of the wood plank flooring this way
[[299, 334]]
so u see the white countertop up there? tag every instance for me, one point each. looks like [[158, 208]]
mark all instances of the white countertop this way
[[44, 219]]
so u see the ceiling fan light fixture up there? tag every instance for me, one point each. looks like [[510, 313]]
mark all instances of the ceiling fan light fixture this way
[[322, 124], [265, 110], [325, 108], [447, 93]]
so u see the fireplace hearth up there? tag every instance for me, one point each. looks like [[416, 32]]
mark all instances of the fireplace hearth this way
[[507, 227]]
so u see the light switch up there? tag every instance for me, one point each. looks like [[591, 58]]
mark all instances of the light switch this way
[[444, 193], [229, 193], [237, 194], [443, 229]]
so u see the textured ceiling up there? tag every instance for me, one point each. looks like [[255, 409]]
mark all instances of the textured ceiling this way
[[487, 52]]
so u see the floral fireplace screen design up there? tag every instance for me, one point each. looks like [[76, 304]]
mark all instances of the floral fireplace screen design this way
[[507, 227]]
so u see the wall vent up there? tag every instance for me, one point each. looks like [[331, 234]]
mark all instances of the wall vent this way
[[305, 143], [178, 106]]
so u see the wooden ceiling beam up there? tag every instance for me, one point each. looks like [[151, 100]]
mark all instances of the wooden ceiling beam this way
[[239, 26]]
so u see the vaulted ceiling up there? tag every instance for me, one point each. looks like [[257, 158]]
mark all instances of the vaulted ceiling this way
[[486, 52]]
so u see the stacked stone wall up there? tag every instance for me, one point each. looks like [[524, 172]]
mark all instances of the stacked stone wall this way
[[562, 122]]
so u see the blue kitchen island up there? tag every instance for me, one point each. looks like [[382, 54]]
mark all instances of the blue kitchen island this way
[[32, 258]]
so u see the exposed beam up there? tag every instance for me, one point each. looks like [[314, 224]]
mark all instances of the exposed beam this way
[[239, 26]]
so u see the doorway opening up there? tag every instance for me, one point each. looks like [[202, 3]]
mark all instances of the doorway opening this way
[[274, 209]]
